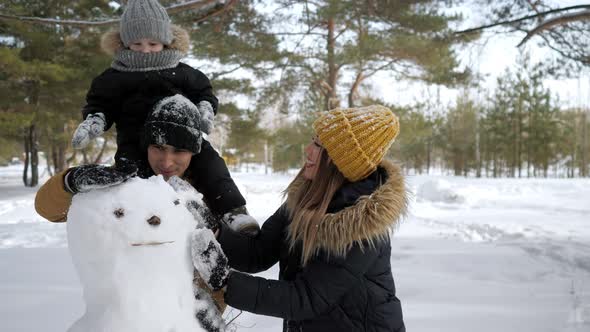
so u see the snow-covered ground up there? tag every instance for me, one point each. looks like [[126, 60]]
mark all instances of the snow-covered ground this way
[[473, 255]]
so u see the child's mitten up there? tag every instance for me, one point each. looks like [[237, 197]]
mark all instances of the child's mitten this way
[[207, 115], [89, 129], [208, 258]]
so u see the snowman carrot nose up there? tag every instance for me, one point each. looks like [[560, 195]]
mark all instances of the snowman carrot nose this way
[[154, 221]]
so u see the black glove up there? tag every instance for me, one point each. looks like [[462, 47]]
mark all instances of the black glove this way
[[89, 177], [211, 220], [209, 259]]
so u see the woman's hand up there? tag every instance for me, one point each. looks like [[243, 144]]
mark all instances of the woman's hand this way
[[89, 177]]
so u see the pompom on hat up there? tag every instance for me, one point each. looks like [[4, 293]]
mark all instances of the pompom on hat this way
[[357, 139], [145, 19]]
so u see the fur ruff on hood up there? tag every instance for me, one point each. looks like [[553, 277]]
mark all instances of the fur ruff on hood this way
[[111, 41], [371, 219]]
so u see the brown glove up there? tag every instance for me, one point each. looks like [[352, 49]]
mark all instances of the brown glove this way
[[216, 295]]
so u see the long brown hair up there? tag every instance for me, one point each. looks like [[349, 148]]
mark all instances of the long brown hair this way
[[307, 202]]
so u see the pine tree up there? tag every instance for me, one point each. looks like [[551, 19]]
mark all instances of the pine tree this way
[[47, 70], [333, 46]]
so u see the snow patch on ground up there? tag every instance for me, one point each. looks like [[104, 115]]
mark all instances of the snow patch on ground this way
[[472, 255]]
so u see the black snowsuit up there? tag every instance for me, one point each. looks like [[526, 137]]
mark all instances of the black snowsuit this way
[[354, 292]]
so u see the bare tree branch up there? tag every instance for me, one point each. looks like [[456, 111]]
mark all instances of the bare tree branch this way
[[42, 20], [221, 9], [533, 6], [560, 20], [215, 75], [201, 5], [524, 18]]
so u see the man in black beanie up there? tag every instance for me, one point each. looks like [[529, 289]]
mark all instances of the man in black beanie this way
[[172, 136]]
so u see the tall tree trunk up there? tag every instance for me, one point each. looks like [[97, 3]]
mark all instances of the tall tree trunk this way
[[571, 170], [457, 163], [353, 89], [519, 147], [71, 158], [31, 157], [266, 157], [530, 139], [428, 155], [54, 160], [514, 148], [32, 87], [477, 151], [34, 156], [58, 151], [97, 159], [494, 165], [353, 92], [583, 155], [27, 144], [61, 158], [331, 97]]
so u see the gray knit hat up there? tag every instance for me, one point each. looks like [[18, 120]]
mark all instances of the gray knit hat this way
[[145, 19]]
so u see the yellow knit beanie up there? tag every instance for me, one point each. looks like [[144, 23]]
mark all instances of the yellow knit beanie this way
[[357, 138]]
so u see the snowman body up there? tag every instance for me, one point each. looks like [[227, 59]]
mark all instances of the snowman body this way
[[129, 244]]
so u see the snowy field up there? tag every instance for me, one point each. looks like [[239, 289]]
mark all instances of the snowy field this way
[[509, 255]]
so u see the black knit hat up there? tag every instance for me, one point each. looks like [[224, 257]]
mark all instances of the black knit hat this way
[[174, 121]]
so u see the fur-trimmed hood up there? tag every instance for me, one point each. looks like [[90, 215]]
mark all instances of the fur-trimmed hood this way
[[111, 41], [372, 218]]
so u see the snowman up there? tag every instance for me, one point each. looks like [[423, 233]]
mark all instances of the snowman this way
[[130, 246]]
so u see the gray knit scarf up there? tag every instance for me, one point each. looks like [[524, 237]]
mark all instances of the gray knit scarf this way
[[128, 60]]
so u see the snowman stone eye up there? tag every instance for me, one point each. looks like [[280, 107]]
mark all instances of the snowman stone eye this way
[[119, 213], [176, 202]]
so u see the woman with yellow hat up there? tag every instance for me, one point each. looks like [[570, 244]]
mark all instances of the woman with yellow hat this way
[[331, 236]]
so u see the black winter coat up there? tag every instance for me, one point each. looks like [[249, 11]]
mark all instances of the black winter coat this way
[[126, 98], [348, 285]]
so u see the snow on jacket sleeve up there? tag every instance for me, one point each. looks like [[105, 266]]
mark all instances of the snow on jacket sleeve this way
[[103, 97], [254, 254], [198, 87], [52, 201], [315, 291]]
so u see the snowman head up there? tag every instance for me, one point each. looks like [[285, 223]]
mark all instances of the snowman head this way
[[137, 214]]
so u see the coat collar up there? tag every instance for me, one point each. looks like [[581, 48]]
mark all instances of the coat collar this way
[[371, 219], [111, 41]]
